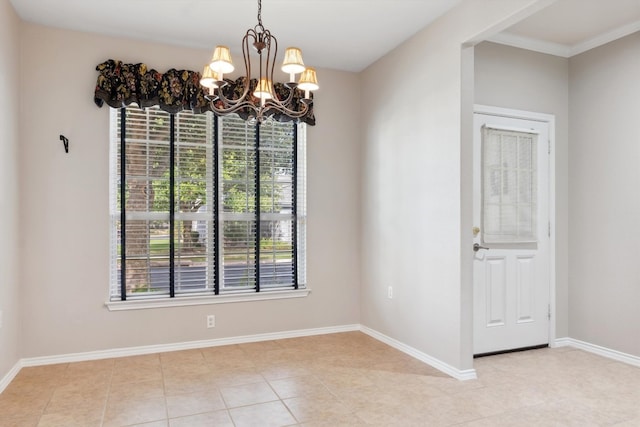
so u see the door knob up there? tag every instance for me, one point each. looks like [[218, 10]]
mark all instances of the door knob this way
[[477, 247]]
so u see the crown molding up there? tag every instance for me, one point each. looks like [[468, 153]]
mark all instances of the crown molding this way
[[605, 38], [563, 50], [528, 43]]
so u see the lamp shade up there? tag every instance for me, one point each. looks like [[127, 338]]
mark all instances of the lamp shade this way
[[263, 90], [292, 63], [221, 61], [308, 80], [209, 78]]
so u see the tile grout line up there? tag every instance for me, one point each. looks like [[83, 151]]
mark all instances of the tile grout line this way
[[164, 390], [106, 399], [281, 400]]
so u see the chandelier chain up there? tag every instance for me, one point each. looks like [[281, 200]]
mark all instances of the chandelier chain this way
[[260, 15]]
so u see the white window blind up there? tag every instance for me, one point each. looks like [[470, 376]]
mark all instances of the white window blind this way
[[277, 223], [509, 186], [301, 204], [238, 187], [194, 197], [153, 213], [260, 232], [203, 210]]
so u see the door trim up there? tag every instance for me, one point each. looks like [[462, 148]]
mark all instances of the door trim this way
[[550, 119]]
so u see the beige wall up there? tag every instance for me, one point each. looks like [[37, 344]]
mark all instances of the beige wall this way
[[524, 80], [414, 187], [9, 188], [604, 201], [65, 224]]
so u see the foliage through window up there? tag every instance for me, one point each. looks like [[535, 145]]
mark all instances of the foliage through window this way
[[212, 205]]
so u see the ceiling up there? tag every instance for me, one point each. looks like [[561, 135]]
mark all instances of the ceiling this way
[[340, 34]]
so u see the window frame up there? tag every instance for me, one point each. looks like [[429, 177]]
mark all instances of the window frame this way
[[219, 293]]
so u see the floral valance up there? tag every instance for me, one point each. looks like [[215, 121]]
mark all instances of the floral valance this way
[[122, 84]]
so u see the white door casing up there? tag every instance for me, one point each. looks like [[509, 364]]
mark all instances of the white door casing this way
[[512, 278]]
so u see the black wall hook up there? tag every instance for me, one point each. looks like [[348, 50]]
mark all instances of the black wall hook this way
[[65, 141]]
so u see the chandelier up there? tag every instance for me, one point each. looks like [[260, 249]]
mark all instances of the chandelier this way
[[259, 95]]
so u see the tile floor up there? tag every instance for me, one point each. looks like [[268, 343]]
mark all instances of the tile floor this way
[[346, 379]]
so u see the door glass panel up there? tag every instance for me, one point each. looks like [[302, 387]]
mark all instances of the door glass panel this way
[[509, 186]]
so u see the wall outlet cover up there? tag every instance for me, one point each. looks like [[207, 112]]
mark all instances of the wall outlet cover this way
[[211, 321]]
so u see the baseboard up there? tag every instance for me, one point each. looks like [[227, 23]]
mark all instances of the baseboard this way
[[561, 342], [599, 350], [149, 349], [462, 375], [4, 382]]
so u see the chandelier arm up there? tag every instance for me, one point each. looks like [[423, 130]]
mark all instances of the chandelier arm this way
[[271, 63], [229, 104], [269, 106], [271, 60], [235, 108], [288, 99], [228, 101], [285, 110], [246, 52]]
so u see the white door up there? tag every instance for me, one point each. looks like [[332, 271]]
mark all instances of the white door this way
[[511, 233]]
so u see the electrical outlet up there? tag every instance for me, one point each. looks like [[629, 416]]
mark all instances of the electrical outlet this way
[[390, 292], [211, 321]]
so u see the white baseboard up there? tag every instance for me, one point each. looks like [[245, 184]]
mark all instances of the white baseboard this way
[[149, 349], [561, 342], [599, 350], [4, 382], [462, 375]]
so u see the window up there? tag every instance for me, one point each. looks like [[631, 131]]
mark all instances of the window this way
[[509, 186], [211, 205]]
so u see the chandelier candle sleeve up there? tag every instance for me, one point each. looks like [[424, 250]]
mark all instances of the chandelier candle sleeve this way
[[263, 90], [293, 63], [308, 81], [264, 101], [209, 79], [221, 62]]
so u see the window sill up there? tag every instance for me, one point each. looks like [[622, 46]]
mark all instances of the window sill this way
[[144, 304]]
